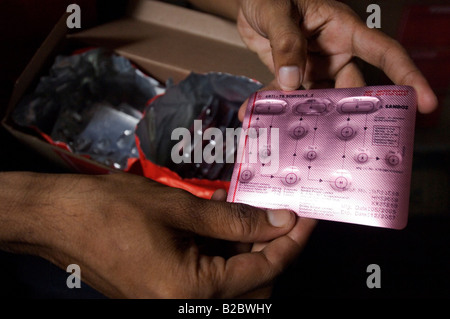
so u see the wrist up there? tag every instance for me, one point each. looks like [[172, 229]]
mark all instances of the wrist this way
[[22, 195], [34, 213]]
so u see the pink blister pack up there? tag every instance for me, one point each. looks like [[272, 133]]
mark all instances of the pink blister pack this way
[[333, 154]]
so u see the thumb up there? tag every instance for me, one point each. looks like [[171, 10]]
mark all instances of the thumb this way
[[235, 221], [279, 22]]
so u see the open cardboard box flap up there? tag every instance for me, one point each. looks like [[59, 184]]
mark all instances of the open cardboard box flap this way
[[170, 41], [164, 40]]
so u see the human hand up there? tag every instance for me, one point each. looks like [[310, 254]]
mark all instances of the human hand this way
[[136, 238], [313, 43]]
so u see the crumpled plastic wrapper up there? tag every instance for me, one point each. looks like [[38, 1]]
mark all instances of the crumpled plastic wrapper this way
[[109, 136], [90, 101], [213, 98], [96, 102]]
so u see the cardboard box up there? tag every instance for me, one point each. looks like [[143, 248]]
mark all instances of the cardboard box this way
[[163, 40]]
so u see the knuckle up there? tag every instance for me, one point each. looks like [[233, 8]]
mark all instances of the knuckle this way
[[245, 219], [204, 280], [210, 277], [179, 208], [408, 77], [394, 49], [287, 42]]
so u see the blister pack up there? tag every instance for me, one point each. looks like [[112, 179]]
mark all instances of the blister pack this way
[[333, 154]]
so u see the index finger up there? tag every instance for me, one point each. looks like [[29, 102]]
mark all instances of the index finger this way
[[387, 54]]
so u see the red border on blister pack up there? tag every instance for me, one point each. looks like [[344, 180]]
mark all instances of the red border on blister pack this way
[[245, 144]]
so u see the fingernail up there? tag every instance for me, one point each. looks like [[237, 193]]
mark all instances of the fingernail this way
[[289, 77], [279, 218]]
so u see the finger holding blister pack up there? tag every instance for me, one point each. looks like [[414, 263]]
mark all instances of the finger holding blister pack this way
[[341, 154]]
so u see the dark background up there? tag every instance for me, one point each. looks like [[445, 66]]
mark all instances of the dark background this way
[[414, 262]]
